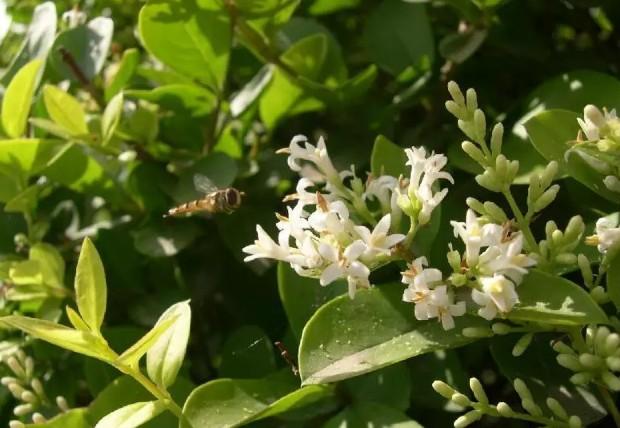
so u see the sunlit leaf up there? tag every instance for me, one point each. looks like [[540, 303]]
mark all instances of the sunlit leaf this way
[[132, 416], [18, 97], [65, 110], [90, 286]]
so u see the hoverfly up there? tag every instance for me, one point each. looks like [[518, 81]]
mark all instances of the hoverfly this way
[[215, 201]]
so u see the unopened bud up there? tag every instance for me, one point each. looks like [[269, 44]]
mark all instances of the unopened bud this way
[[456, 110], [581, 378], [497, 135], [37, 387], [474, 152], [475, 205], [546, 198], [460, 399], [557, 409], [501, 328], [549, 173], [531, 407], [16, 424], [62, 404], [15, 367], [522, 389], [569, 361], [38, 418], [443, 389], [478, 390], [467, 419], [522, 344], [599, 295], [490, 181], [504, 409], [455, 92], [23, 409], [472, 99], [481, 124], [454, 260], [574, 422], [495, 212], [29, 367], [127, 156], [567, 259], [28, 397], [477, 332], [563, 348], [599, 339], [611, 381], [7, 380], [16, 389], [574, 228], [613, 363], [586, 270], [611, 343]]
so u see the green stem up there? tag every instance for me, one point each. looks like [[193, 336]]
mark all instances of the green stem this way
[[524, 225], [610, 405], [492, 411]]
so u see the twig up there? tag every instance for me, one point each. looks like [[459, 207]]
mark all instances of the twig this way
[[71, 63]]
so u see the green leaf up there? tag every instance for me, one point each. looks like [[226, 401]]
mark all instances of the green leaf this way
[[111, 117], [302, 296], [348, 337], [551, 299], [132, 416], [18, 97], [363, 415], [324, 7], [406, 43], [165, 239], [251, 91], [51, 263], [235, 402], [390, 386], [37, 42], [195, 42], [124, 72], [81, 342], [65, 110], [538, 368], [180, 98], [246, 354], [387, 158], [76, 320], [29, 155], [459, 46], [131, 357], [90, 286], [25, 201], [613, 279], [165, 357], [74, 418], [88, 45]]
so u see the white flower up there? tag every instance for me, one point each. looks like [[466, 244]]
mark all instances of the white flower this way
[[317, 155], [594, 121], [378, 242], [607, 234], [435, 303], [330, 217], [506, 259], [294, 225], [498, 295], [265, 247], [344, 264], [476, 236], [424, 173], [420, 277], [381, 188], [306, 260]]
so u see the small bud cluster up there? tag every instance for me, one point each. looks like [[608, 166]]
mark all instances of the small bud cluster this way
[[601, 149], [28, 389], [558, 246], [541, 192], [327, 235], [597, 359], [557, 415]]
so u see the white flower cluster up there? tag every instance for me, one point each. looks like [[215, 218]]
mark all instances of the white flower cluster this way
[[326, 235], [492, 265], [607, 234]]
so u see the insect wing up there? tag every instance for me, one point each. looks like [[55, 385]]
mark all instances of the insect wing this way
[[204, 184]]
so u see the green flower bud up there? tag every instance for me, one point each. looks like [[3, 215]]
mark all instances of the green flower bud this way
[[28, 397], [477, 332], [599, 295], [531, 407], [557, 236], [454, 260], [549, 174], [472, 99], [522, 389], [443, 389], [38, 418], [567, 259], [460, 399], [563, 348], [590, 361], [23, 409], [501, 167], [456, 110], [404, 203], [546, 198], [611, 380], [468, 128], [497, 136], [574, 422], [522, 344], [16, 389], [16, 424], [550, 227], [504, 409], [570, 362], [458, 279], [613, 363], [501, 328], [481, 124], [455, 92], [490, 181], [467, 419], [581, 378], [474, 152], [611, 343], [574, 228], [478, 390], [496, 213], [599, 339], [586, 270], [557, 409], [475, 205]]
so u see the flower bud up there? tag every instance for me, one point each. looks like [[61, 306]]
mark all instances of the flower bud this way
[[468, 128], [497, 136], [522, 344], [581, 378], [549, 173], [460, 399], [481, 124], [586, 270], [455, 109], [15, 367], [458, 279], [28, 397], [613, 363], [16, 389], [477, 332], [443, 389], [501, 167], [38, 418], [599, 295], [522, 389], [472, 99], [504, 409], [16, 424], [590, 361], [23, 409], [575, 422], [467, 419], [611, 343], [455, 92], [567, 259], [612, 183], [495, 212], [490, 181], [546, 198], [501, 328], [592, 113], [37, 387], [599, 339], [563, 348], [531, 407], [557, 236], [611, 380], [62, 404], [478, 390], [454, 260], [475, 205], [474, 152], [570, 362], [557, 409]]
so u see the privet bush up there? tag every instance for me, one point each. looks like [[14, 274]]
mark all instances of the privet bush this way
[[424, 233]]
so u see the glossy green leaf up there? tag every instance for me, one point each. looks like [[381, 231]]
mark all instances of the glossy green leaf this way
[[363, 415], [111, 117], [131, 357], [76, 320], [90, 286], [301, 296], [165, 239], [246, 354], [37, 41], [165, 357], [18, 97], [50, 262], [25, 201], [65, 110], [336, 345], [195, 42], [387, 158], [123, 74], [74, 418], [132, 416], [235, 402], [74, 340], [406, 43], [390, 386], [28, 155], [613, 279], [180, 98], [551, 299], [251, 91], [459, 46], [87, 44], [538, 368]]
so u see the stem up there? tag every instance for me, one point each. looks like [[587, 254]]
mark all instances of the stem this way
[[610, 405], [79, 75], [523, 223], [492, 411]]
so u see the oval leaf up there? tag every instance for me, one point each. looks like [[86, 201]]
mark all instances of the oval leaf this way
[[90, 286], [132, 416], [336, 343], [165, 357], [18, 97], [65, 110]]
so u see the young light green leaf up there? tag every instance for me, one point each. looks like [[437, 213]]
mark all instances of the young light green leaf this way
[[131, 356], [65, 110], [336, 343], [90, 286], [558, 302], [124, 73], [132, 416], [81, 342], [51, 263], [18, 97], [111, 117], [165, 357], [75, 319]]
